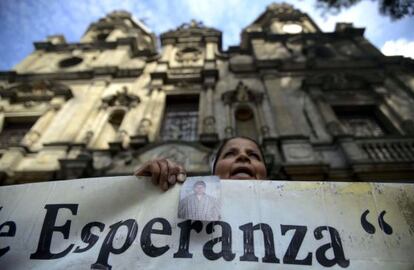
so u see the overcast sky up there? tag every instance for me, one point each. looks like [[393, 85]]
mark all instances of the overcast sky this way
[[25, 21]]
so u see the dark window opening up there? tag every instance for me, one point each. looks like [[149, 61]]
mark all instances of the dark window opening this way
[[323, 51], [70, 62], [180, 118], [364, 121], [319, 51], [14, 130], [116, 119], [102, 36]]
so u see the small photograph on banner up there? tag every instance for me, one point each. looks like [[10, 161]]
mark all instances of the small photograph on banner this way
[[200, 199]]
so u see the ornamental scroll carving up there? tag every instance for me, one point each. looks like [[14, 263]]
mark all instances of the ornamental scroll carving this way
[[121, 98]]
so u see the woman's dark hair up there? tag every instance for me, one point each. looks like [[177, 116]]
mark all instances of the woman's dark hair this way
[[221, 147]]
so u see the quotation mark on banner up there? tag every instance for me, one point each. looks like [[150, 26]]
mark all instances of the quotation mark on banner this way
[[369, 228]]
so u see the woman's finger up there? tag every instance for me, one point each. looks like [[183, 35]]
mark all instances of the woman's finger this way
[[172, 178], [182, 174], [172, 171], [163, 180], [177, 170], [155, 172], [144, 170]]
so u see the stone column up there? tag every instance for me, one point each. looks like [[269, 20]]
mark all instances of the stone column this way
[[146, 123], [93, 132], [401, 105], [209, 119], [316, 120], [128, 124], [1, 118], [209, 134], [39, 127], [229, 129], [264, 128], [167, 50], [211, 48], [9, 162], [266, 114], [332, 123], [157, 113], [284, 121], [74, 114]]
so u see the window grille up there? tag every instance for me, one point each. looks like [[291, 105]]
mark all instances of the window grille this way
[[180, 119]]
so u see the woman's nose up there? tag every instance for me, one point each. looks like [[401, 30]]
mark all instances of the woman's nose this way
[[243, 158]]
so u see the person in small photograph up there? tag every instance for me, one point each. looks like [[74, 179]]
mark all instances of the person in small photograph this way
[[199, 205]]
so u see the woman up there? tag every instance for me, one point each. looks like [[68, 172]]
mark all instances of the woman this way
[[237, 158]]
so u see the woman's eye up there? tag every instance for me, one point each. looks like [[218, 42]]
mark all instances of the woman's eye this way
[[255, 156], [228, 154]]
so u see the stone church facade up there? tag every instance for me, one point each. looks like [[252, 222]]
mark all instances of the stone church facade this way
[[324, 106]]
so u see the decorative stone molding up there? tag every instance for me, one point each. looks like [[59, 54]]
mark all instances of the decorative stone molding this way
[[188, 55], [228, 132], [144, 126], [242, 93], [342, 81], [43, 90], [121, 98], [191, 32], [209, 124]]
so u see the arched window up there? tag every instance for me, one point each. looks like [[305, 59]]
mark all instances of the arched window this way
[[245, 122]]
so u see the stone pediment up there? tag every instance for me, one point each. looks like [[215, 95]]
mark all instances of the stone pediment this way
[[43, 90], [193, 28], [191, 32]]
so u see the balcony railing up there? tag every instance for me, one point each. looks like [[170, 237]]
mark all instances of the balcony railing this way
[[388, 149]]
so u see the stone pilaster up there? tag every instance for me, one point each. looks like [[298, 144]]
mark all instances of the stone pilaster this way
[[209, 134], [332, 124], [282, 117], [39, 127], [147, 125]]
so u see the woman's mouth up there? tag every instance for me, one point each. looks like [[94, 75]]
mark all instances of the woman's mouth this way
[[242, 173]]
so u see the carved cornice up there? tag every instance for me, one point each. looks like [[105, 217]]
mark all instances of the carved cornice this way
[[97, 45], [113, 71], [43, 90], [343, 81]]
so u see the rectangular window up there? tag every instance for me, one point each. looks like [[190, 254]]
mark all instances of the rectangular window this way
[[180, 118], [14, 130], [365, 121]]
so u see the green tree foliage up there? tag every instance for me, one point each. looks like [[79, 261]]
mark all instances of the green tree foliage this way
[[395, 9]]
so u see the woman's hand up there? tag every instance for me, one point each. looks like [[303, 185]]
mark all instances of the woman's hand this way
[[163, 172]]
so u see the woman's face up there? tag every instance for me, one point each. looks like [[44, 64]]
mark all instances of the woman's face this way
[[240, 159]]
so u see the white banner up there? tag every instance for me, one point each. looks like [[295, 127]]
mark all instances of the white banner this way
[[127, 223]]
